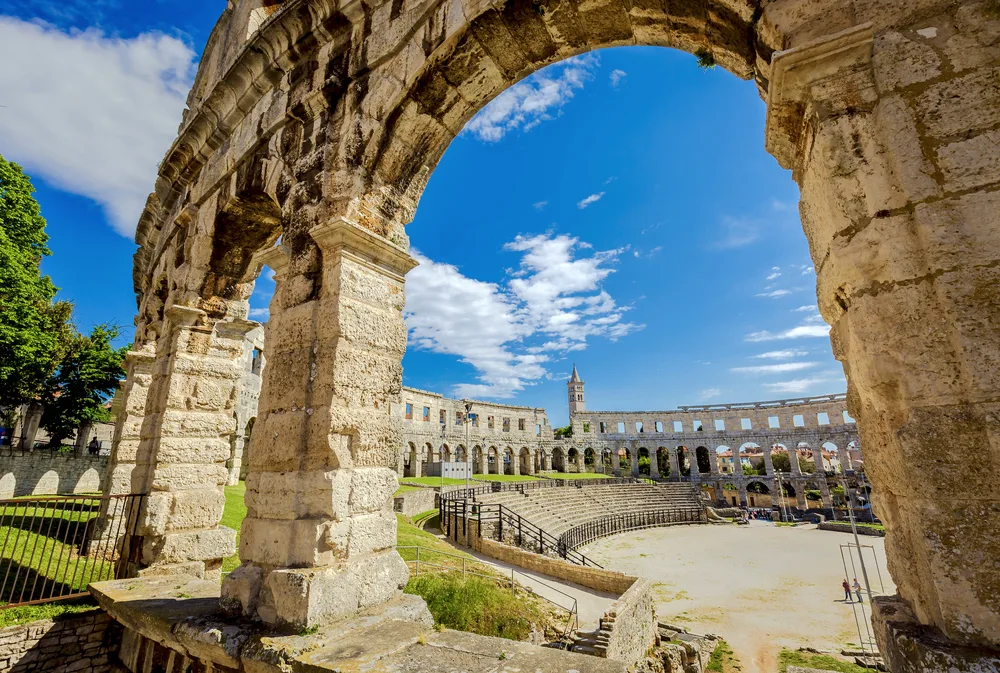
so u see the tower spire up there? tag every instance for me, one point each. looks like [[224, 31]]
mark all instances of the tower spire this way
[[576, 375], [575, 389]]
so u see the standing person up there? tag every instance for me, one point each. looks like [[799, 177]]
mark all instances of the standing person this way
[[857, 590], [847, 591], [94, 447]]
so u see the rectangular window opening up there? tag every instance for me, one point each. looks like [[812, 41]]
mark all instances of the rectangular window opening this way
[[621, 427], [773, 422], [638, 426], [720, 425], [823, 418], [745, 424], [678, 426], [798, 421], [409, 411], [659, 426]]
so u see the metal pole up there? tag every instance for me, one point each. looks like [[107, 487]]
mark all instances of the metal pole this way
[[857, 542], [468, 458]]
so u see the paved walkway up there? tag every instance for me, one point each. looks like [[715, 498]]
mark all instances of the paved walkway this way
[[591, 605]]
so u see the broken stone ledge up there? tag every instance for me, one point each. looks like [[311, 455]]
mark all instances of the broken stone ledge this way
[[181, 615], [910, 647]]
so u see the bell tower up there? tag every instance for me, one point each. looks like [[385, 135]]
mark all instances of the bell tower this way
[[577, 403]]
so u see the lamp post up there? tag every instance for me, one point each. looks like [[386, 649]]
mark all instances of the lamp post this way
[[468, 450]]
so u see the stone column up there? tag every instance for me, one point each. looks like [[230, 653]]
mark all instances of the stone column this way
[[29, 426], [654, 465], [125, 444], [675, 470], [616, 463], [793, 461], [818, 461], [185, 443], [547, 462], [82, 437], [893, 139], [319, 539], [634, 454], [768, 462], [742, 489]]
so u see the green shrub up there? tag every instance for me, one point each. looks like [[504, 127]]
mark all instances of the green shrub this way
[[822, 662]]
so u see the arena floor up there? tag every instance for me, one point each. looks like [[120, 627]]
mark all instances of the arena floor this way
[[761, 587]]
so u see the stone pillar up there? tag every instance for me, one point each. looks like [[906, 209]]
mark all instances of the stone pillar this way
[[319, 538], [125, 444], [742, 489], [616, 464], [768, 462], [184, 445], [818, 462], [29, 426], [547, 462], [675, 470], [634, 454], [654, 465], [893, 140], [793, 461], [515, 462], [82, 437]]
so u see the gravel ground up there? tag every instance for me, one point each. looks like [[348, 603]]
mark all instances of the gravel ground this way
[[761, 587]]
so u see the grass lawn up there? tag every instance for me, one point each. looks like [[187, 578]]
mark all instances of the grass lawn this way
[[504, 477], [723, 659], [432, 481], [406, 489], [33, 613], [232, 517], [822, 662]]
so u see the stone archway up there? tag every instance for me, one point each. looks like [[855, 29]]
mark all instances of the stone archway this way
[[324, 127]]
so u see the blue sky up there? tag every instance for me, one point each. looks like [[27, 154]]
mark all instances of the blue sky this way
[[617, 211]]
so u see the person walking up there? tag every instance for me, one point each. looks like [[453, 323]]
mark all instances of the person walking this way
[[857, 590], [94, 447], [847, 591]]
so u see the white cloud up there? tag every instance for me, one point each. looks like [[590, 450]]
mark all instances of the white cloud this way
[[776, 274], [780, 355], [261, 314], [709, 393], [775, 369], [593, 198], [92, 114], [796, 386], [617, 76], [800, 332], [808, 271], [540, 205], [737, 233], [774, 294], [803, 309], [534, 100], [508, 333], [781, 206]]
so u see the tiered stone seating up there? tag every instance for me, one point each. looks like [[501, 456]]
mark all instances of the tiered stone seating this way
[[557, 510]]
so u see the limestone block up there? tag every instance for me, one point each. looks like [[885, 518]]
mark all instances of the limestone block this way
[[299, 494], [897, 125], [961, 231], [961, 105], [900, 62], [371, 533], [309, 597], [198, 545], [186, 477], [177, 423], [473, 72], [192, 450], [971, 163], [371, 488], [298, 543], [183, 510], [241, 590], [976, 41], [183, 569]]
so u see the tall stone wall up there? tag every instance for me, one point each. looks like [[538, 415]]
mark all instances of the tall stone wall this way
[[42, 473], [628, 629], [81, 643]]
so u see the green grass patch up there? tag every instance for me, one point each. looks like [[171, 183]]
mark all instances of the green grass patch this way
[[406, 489], [504, 477], [477, 605], [823, 662], [232, 517], [432, 481], [33, 613], [723, 659]]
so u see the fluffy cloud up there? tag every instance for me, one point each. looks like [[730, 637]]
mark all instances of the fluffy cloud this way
[[261, 314], [800, 332], [551, 306], [709, 393], [780, 355], [617, 76], [534, 100], [806, 309], [540, 205], [774, 369], [737, 233], [90, 113], [774, 294], [796, 386], [593, 198]]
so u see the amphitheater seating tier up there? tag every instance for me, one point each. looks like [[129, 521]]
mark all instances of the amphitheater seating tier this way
[[557, 510]]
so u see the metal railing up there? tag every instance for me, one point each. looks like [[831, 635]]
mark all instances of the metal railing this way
[[507, 525], [574, 615], [50, 551], [618, 523]]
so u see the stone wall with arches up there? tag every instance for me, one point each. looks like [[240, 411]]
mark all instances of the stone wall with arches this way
[[313, 128]]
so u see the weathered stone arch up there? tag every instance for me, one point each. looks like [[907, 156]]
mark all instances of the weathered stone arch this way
[[345, 109]]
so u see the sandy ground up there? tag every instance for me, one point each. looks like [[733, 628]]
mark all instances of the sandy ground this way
[[761, 587]]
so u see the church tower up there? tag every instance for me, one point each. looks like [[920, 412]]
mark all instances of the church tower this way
[[576, 399]]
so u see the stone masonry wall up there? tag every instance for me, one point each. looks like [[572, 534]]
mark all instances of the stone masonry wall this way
[[81, 643], [40, 473], [628, 629], [415, 502]]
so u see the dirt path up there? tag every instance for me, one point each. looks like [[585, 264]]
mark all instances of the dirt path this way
[[761, 587]]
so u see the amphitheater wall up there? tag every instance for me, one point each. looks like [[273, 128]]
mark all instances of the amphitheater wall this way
[[415, 502], [629, 627], [40, 473], [597, 579]]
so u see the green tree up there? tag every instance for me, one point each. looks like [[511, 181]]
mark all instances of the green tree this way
[[33, 329], [84, 381], [562, 433]]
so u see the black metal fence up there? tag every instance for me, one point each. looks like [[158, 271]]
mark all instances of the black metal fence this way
[[507, 526], [50, 548], [618, 523]]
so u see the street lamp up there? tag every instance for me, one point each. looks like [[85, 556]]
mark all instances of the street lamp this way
[[468, 450]]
